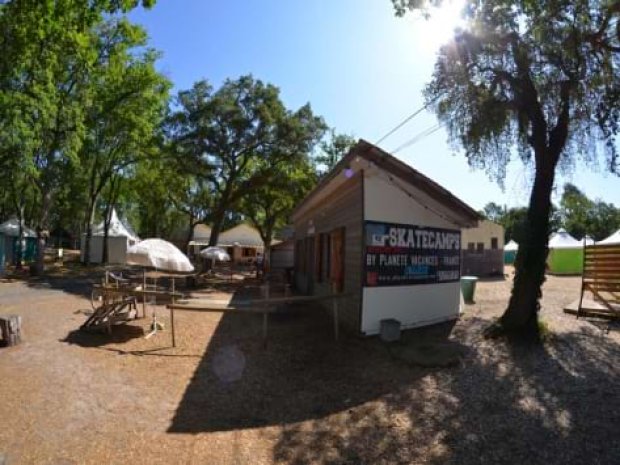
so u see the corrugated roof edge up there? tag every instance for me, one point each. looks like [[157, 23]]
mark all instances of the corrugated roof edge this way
[[390, 163]]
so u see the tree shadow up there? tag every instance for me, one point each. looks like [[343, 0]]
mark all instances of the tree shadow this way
[[302, 374], [556, 403]]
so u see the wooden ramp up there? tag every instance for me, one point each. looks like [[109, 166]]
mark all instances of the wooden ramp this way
[[592, 308], [111, 313]]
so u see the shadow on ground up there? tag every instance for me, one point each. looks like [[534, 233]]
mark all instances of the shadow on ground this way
[[552, 404], [119, 335], [302, 374]]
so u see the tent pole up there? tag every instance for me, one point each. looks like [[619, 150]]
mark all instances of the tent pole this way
[[172, 316]]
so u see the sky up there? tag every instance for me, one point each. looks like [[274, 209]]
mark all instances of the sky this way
[[359, 66]]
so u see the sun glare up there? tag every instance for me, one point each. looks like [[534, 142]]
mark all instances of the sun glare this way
[[439, 28]]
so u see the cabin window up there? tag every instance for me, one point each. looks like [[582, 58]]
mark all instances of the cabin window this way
[[494, 243], [336, 271], [480, 247], [327, 247], [249, 252], [471, 247]]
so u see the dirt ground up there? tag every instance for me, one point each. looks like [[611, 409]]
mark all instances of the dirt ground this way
[[221, 397]]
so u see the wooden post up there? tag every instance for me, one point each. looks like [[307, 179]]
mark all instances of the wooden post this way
[[11, 329], [174, 344], [265, 318], [143, 292]]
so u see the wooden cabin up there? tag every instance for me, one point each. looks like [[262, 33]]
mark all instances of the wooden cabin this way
[[387, 236]]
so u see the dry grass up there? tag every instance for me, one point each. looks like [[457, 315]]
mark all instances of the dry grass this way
[[221, 398]]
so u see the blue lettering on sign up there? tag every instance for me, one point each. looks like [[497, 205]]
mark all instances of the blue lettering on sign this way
[[416, 270]]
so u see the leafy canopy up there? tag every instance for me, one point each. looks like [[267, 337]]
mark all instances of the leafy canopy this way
[[530, 75]]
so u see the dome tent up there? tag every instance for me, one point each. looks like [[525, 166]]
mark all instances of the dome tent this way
[[613, 239], [510, 252], [565, 254], [120, 237]]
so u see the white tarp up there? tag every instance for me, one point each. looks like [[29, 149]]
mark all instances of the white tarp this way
[[117, 228], [511, 246], [563, 240], [11, 228], [159, 254], [613, 239]]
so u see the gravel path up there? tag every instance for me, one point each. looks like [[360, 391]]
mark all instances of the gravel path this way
[[220, 397]]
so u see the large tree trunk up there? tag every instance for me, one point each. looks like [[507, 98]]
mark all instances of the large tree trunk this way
[[521, 316], [216, 228]]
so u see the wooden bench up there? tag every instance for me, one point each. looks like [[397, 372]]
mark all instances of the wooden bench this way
[[601, 279]]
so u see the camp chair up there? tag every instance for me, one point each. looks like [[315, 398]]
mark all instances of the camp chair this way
[[600, 278]]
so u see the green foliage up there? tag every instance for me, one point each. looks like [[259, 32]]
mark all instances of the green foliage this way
[[333, 149], [237, 137], [581, 215]]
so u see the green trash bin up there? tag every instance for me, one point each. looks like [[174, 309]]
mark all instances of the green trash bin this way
[[468, 288]]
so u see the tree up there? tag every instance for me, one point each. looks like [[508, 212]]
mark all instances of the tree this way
[[581, 215], [238, 136], [128, 101], [494, 212], [538, 78], [270, 206], [49, 49], [333, 149], [576, 210]]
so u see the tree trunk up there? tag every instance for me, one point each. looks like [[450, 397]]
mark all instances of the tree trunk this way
[[106, 229], [218, 219], [89, 230], [46, 201], [521, 316], [190, 233]]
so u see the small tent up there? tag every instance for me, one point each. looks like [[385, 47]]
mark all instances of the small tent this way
[[120, 237], [565, 254], [10, 230], [613, 239], [510, 252]]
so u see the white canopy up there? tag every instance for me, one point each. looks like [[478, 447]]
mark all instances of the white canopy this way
[[159, 254], [613, 239], [11, 228], [588, 239], [512, 246], [563, 240], [117, 228]]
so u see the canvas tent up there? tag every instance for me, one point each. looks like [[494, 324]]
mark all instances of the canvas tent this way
[[10, 230], [613, 239], [510, 252], [588, 240], [565, 254], [120, 237]]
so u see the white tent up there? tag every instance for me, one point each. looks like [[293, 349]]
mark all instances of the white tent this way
[[512, 246], [120, 238], [11, 228], [613, 239], [588, 240], [563, 240]]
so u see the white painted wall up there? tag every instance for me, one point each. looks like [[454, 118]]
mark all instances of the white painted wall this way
[[484, 232], [417, 305]]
